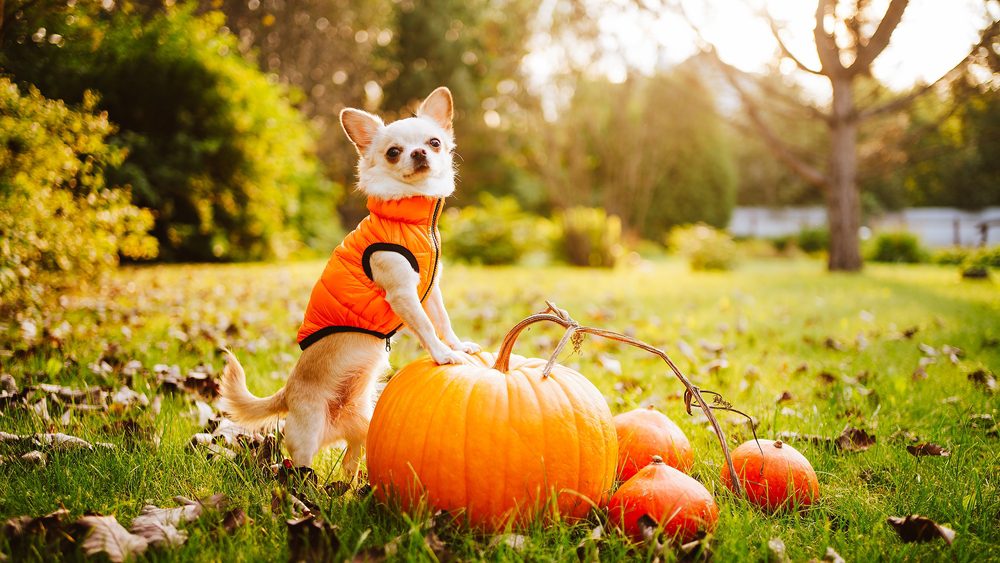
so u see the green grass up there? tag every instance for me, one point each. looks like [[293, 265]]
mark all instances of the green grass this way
[[774, 317]]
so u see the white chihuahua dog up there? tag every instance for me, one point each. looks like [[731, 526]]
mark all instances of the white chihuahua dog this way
[[384, 275]]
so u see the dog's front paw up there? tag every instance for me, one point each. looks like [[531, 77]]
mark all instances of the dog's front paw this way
[[467, 347], [446, 356]]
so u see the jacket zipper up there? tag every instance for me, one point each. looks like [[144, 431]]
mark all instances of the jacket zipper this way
[[437, 256]]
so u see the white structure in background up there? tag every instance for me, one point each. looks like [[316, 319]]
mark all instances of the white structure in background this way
[[936, 226]]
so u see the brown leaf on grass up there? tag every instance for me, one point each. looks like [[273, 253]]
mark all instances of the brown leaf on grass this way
[[832, 556], [312, 539], [105, 535], [908, 333], [927, 350], [7, 384], [589, 548], [711, 347], [916, 528], [833, 344], [854, 440], [984, 379], [802, 368], [159, 534], [235, 519], [927, 449], [850, 439], [87, 395], [21, 531], [785, 396], [36, 458], [515, 542], [952, 353], [776, 551], [697, 550], [714, 366]]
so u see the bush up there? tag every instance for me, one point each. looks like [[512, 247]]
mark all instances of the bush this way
[[497, 231], [59, 222], [214, 148], [978, 262], [813, 239], [590, 237], [953, 256], [706, 248], [899, 247]]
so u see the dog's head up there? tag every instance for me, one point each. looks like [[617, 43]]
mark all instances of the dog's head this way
[[409, 157]]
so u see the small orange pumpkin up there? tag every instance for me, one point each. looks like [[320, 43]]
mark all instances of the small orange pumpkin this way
[[643, 433], [494, 444], [778, 478], [677, 502]]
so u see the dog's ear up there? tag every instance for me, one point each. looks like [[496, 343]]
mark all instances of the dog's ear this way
[[360, 127], [439, 107]]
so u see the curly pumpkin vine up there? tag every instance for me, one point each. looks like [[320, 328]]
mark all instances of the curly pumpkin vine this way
[[575, 331]]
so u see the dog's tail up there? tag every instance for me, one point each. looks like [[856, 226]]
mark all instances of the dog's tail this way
[[241, 405]]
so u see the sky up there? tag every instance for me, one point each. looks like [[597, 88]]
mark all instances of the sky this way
[[933, 36]]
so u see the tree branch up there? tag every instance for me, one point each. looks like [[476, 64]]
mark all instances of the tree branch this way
[[868, 52], [826, 45], [987, 36], [784, 48], [776, 144], [781, 150]]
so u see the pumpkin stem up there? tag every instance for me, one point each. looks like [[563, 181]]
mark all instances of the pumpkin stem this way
[[561, 317]]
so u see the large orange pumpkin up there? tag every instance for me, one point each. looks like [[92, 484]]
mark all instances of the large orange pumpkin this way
[[498, 446], [643, 433], [677, 502], [777, 478]]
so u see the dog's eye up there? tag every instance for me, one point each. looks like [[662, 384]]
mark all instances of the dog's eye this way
[[434, 143], [393, 152]]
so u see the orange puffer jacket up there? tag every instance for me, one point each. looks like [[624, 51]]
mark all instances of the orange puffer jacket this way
[[345, 299]]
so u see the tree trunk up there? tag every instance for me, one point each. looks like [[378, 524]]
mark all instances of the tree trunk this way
[[843, 198]]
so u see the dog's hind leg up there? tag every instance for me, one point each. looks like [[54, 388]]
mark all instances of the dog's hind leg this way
[[304, 430]]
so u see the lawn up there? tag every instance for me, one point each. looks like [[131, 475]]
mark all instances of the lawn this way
[[805, 352]]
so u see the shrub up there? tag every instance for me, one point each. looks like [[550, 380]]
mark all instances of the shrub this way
[[978, 262], [214, 148], [706, 248], [898, 246], [813, 239], [59, 222], [953, 256], [590, 237], [497, 231]]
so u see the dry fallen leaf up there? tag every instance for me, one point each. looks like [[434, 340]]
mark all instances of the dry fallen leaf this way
[[854, 440], [776, 551], [832, 556], [916, 528], [234, 519], [927, 449], [312, 539], [589, 548], [515, 542], [984, 379], [109, 537]]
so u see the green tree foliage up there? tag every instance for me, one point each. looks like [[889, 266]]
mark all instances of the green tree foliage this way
[[952, 161], [496, 231], [213, 146], [60, 222], [656, 156], [476, 48]]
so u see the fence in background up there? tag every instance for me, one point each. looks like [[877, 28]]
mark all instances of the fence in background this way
[[936, 226]]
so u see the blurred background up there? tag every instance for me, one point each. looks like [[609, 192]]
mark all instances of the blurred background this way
[[589, 132]]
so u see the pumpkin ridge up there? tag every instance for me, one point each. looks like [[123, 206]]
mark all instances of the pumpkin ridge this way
[[563, 382], [539, 409], [418, 447], [466, 419], [440, 423]]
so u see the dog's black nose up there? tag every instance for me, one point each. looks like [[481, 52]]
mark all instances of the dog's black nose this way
[[418, 154]]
